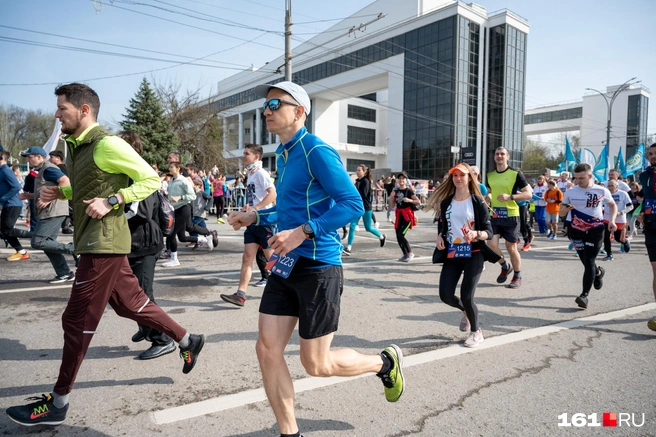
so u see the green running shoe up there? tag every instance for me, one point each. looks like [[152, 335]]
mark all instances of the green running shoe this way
[[393, 379]]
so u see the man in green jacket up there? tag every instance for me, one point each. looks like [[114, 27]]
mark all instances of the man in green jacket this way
[[102, 166]]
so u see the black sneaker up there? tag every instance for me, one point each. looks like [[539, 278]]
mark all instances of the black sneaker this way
[[382, 240], [139, 336], [157, 350], [599, 278], [42, 412], [504, 275], [63, 278], [344, 233], [346, 252], [215, 238], [582, 301], [189, 354]]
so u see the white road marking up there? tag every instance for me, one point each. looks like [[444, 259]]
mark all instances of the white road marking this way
[[247, 397]]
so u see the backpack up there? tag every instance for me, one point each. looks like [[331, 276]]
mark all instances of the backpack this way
[[166, 215]]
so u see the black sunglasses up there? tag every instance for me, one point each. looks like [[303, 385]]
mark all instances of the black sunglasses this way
[[274, 104]]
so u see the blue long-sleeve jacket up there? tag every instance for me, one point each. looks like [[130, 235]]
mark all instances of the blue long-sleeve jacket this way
[[313, 187], [9, 187]]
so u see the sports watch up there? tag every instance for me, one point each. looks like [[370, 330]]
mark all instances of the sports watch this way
[[113, 201], [307, 230]]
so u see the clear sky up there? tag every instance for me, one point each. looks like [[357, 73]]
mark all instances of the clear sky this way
[[572, 45]]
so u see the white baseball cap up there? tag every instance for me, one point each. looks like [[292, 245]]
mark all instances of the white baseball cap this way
[[296, 91]]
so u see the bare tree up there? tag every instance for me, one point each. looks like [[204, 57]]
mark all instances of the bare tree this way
[[197, 126], [22, 128]]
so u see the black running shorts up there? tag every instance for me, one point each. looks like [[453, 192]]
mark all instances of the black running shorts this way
[[650, 242], [311, 294], [259, 235], [508, 228]]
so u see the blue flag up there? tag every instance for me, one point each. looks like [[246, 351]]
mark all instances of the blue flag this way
[[636, 162], [621, 165], [601, 168], [569, 156]]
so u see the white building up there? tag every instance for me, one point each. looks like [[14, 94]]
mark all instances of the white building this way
[[590, 116], [427, 83]]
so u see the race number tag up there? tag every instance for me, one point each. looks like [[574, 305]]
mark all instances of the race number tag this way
[[578, 245], [648, 206], [499, 213], [459, 251], [282, 266]]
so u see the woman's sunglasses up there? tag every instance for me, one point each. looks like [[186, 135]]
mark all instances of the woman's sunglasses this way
[[274, 104]]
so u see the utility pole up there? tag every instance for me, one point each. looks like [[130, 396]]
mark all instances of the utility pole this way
[[609, 104], [288, 40]]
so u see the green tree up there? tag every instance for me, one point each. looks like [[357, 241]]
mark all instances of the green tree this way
[[145, 116]]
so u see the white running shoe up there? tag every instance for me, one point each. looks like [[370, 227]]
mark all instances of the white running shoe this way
[[464, 323], [376, 225], [210, 243], [474, 338], [171, 263]]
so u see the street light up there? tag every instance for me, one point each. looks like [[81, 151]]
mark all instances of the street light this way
[[610, 102]]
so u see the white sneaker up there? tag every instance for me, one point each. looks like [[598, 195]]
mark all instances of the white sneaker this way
[[464, 323], [376, 225], [210, 243], [171, 263], [409, 257], [474, 338]]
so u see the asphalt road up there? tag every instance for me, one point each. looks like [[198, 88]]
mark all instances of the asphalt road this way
[[543, 360]]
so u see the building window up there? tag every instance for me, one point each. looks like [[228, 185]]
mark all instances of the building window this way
[[352, 164], [545, 117], [361, 136], [360, 113], [371, 97]]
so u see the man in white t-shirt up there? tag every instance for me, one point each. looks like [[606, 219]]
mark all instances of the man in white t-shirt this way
[[260, 194], [624, 205], [614, 175], [564, 183], [587, 228]]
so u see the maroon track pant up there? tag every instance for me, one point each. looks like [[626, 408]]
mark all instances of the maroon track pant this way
[[99, 280]]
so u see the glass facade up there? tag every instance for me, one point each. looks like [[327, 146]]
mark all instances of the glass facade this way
[[636, 123], [563, 114], [505, 93], [361, 136], [361, 113], [351, 164], [440, 102]]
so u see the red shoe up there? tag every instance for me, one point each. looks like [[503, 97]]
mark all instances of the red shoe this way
[[526, 247]]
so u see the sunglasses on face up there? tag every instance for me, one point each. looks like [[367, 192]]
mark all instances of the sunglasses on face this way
[[274, 104]]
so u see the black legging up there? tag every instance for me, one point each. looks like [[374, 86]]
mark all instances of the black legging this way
[[607, 244], [591, 247], [451, 271], [183, 223], [402, 227], [525, 229], [261, 261], [218, 205], [8, 218]]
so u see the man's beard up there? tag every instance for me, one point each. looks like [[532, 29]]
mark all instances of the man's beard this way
[[69, 129]]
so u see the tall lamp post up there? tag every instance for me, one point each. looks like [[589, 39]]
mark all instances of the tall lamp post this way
[[609, 104]]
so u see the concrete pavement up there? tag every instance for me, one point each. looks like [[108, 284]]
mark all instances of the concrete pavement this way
[[541, 359]]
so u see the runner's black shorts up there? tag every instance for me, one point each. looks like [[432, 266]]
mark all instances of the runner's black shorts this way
[[650, 242], [259, 235], [310, 293], [508, 228]]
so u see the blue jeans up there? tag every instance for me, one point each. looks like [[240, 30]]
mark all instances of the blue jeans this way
[[200, 221]]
